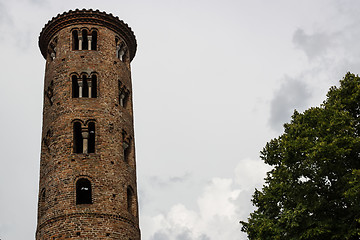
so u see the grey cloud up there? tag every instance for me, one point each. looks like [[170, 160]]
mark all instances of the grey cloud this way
[[171, 180], [314, 45], [160, 236], [184, 236], [292, 94], [204, 237]]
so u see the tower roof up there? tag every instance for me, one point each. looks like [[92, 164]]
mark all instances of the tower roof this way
[[85, 16]]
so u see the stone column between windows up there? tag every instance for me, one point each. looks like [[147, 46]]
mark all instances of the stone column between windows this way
[[80, 42], [117, 51], [89, 42], [80, 83], [85, 136], [122, 97], [89, 82]]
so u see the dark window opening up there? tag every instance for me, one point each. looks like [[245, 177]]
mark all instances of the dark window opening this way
[[91, 143], [94, 40], [85, 87], [93, 86], [42, 195], [85, 45], [75, 87], [78, 140], [83, 191], [127, 150], [75, 40], [123, 95], [130, 201]]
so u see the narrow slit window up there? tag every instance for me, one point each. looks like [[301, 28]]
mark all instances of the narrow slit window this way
[[42, 201], [85, 44], [127, 150], [94, 40], [94, 86], [78, 140], [123, 94], [83, 191], [75, 40], [42, 195], [91, 147], [85, 87], [75, 87], [131, 201]]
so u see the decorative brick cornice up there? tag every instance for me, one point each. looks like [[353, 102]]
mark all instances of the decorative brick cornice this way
[[84, 215], [87, 17]]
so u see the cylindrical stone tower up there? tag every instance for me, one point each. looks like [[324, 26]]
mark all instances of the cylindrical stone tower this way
[[87, 184]]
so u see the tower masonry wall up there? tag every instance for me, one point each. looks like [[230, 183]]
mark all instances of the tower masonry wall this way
[[112, 212]]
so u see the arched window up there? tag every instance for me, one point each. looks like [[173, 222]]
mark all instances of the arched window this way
[[123, 94], [78, 139], [94, 40], [85, 87], [131, 202], [93, 86], [121, 49], [42, 201], [127, 150], [83, 191], [75, 40], [91, 141], [85, 43], [84, 40], [75, 86]]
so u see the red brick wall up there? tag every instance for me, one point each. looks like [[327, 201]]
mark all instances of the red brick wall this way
[[108, 217]]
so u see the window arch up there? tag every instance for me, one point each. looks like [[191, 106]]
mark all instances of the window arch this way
[[42, 200], [84, 137], [52, 48], [78, 139], [83, 191], [126, 146], [84, 39], [131, 200], [124, 94], [93, 90], [91, 141], [94, 40], [75, 86], [42, 195], [121, 49], [84, 86], [75, 40]]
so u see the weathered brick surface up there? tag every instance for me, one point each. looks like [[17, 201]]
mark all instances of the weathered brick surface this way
[[108, 217]]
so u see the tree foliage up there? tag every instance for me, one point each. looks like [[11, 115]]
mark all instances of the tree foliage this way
[[313, 190]]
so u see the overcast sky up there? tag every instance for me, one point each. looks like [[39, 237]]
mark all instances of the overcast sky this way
[[213, 81]]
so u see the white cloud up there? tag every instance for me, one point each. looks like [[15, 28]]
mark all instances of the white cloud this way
[[250, 174], [220, 207]]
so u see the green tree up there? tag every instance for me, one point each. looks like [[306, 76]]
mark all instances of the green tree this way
[[313, 189]]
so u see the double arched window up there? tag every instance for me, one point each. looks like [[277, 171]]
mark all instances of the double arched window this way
[[84, 39], [121, 49], [84, 86], [52, 48], [84, 137], [124, 94]]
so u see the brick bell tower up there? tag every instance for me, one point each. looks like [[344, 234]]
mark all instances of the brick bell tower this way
[[87, 186]]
